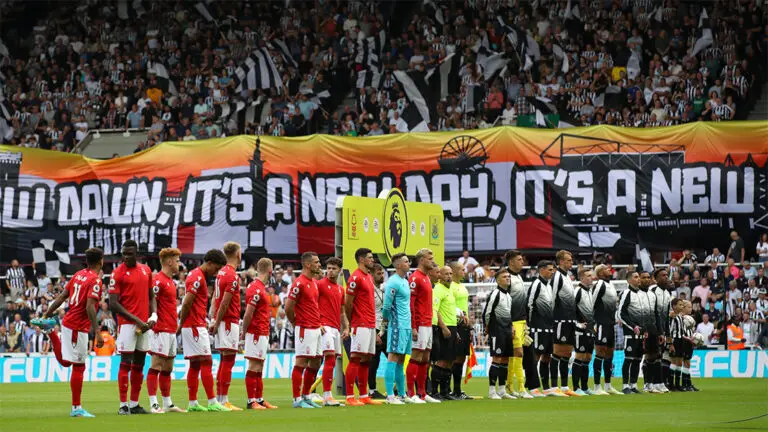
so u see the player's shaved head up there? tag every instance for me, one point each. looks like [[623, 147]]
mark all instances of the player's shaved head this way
[[231, 249], [264, 266], [455, 265], [446, 274]]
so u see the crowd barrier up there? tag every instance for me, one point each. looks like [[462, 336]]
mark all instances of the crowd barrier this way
[[32, 369]]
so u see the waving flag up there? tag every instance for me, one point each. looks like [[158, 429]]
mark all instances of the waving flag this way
[[472, 362]]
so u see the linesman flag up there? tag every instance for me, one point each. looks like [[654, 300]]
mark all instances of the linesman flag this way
[[471, 362]]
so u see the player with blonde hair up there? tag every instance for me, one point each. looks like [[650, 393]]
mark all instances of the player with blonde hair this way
[[162, 338]]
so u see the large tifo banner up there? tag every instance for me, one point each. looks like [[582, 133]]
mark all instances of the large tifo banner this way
[[500, 188], [704, 364]]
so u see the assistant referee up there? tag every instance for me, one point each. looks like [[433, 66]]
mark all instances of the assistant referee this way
[[444, 317]]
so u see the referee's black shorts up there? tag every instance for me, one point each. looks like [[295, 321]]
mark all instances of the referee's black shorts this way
[[465, 338], [446, 346]]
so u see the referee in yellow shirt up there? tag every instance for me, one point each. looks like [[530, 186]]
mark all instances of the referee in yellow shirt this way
[[464, 328], [444, 318]]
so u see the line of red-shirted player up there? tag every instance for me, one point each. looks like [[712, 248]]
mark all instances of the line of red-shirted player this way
[[323, 317]]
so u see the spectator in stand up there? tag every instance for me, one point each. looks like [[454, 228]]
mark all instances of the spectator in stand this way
[[38, 342], [4, 347], [14, 280], [734, 293], [733, 270], [756, 315], [750, 329], [761, 281], [749, 271], [702, 292], [736, 250], [762, 248], [714, 258], [762, 301], [467, 260], [14, 340], [706, 328]]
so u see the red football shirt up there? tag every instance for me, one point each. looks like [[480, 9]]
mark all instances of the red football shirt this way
[[331, 298], [132, 285], [227, 281], [421, 299], [165, 296], [84, 285], [361, 287], [257, 296], [304, 293], [196, 285]]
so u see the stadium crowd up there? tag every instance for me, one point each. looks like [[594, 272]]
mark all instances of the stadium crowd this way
[[717, 292], [620, 62]]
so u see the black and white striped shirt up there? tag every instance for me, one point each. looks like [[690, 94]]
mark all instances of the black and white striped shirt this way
[[15, 278], [37, 342], [677, 327]]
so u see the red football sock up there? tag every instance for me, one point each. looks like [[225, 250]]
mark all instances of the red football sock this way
[[410, 376], [250, 384], [296, 375], [193, 379], [76, 383], [206, 376], [362, 379], [165, 383], [56, 345], [152, 378], [259, 386], [137, 378], [123, 376], [328, 365], [421, 379], [309, 378], [225, 369], [351, 375]]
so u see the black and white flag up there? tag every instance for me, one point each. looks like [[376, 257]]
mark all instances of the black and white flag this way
[[368, 51], [258, 72], [418, 93], [285, 53], [368, 78], [445, 79], [134, 11], [202, 8], [163, 78], [544, 107], [52, 254], [706, 38]]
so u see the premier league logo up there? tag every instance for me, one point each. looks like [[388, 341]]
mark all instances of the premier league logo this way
[[395, 226]]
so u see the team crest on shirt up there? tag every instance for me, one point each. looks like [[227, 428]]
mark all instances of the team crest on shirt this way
[[295, 290], [156, 289], [352, 286], [605, 340], [541, 347], [413, 284], [196, 285], [562, 339], [112, 282], [629, 349], [256, 298], [498, 350]]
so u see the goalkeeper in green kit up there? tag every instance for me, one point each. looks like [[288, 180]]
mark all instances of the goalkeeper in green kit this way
[[396, 324]]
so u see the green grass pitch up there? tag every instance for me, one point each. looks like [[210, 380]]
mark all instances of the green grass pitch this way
[[45, 407]]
